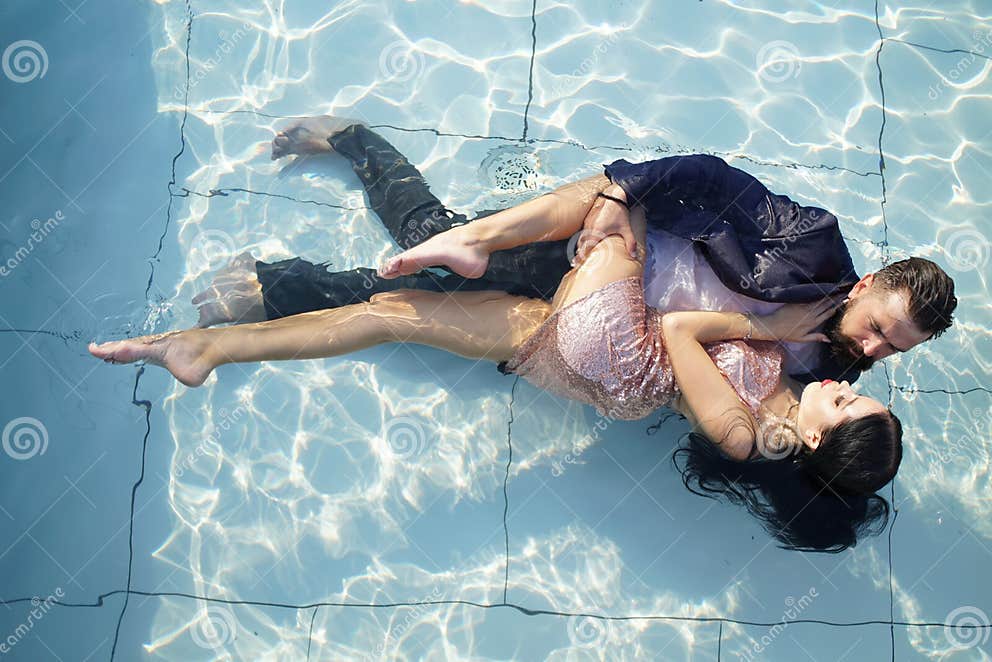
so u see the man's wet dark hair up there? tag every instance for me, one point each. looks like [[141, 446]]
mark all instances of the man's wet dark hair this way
[[822, 500], [930, 292]]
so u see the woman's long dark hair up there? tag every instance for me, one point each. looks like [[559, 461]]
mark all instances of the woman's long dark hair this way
[[819, 500]]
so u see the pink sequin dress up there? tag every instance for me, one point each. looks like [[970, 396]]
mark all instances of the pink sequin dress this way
[[606, 349]]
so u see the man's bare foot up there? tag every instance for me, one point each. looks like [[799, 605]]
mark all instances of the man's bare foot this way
[[455, 249], [234, 295], [183, 353], [309, 136]]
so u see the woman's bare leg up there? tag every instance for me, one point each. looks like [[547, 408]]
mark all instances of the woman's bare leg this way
[[481, 325], [465, 249]]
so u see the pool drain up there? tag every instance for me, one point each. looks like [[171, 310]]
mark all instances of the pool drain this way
[[511, 168]]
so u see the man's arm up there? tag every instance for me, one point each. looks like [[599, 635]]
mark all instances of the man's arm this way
[[695, 180]]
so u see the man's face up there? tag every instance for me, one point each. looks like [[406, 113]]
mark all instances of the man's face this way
[[873, 324]]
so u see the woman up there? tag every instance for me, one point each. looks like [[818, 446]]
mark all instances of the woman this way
[[597, 342]]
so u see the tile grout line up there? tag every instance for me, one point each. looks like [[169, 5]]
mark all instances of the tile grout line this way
[[175, 159], [146, 404], [506, 493], [310, 633], [530, 75], [888, 377], [658, 149], [100, 602]]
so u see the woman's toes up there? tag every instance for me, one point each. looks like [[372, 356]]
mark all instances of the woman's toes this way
[[391, 267], [102, 351], [179, 352]]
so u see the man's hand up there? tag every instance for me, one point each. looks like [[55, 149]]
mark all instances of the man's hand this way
[[605, 218]]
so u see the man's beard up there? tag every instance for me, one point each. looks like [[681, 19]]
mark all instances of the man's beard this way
[[845, 350]]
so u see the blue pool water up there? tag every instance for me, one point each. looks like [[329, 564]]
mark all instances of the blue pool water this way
[[402, 503]]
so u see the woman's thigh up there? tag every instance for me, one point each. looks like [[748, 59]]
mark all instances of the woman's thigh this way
[[479, 325]]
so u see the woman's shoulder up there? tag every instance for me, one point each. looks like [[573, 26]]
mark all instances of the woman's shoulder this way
[[753, 368]]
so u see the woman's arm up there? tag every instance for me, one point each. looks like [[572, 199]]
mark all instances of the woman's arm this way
[[713, 403]]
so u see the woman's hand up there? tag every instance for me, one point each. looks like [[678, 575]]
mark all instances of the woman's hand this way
[[796, 322], [607, 217]]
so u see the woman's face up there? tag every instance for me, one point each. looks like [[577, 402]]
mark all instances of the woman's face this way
[[828, 403]]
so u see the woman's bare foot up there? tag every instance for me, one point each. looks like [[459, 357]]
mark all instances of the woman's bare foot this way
[[456, 249], [183, 353], [234, 295], [309, 136]]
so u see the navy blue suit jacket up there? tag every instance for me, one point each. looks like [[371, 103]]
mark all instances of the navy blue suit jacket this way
[[760, 244]]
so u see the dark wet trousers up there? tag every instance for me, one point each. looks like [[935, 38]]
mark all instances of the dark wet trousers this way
[[401, 198]]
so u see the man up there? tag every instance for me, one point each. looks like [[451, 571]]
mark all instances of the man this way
[[718, 239]]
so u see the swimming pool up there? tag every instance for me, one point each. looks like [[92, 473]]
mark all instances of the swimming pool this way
[[403, 503]]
